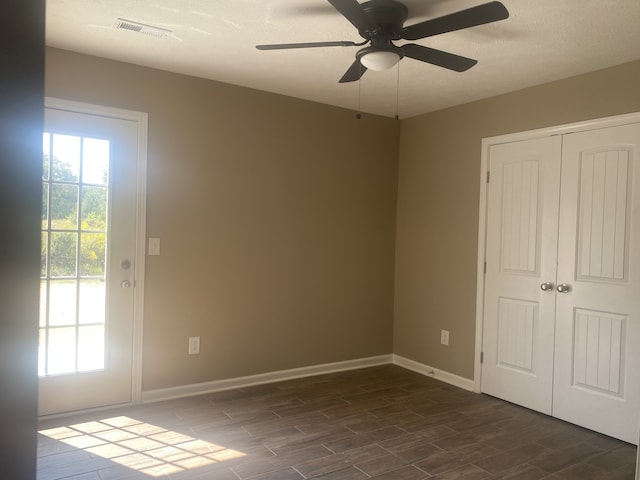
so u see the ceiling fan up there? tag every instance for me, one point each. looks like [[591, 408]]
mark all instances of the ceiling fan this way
[[380, 22]]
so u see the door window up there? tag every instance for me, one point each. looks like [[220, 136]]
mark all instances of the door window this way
[[75, 221]]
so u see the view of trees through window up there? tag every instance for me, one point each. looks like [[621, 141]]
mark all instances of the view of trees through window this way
[[64, 201]]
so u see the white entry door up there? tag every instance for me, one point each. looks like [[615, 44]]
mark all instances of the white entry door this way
[[522, 232], [561, 331], [88, 259], [598, 314]]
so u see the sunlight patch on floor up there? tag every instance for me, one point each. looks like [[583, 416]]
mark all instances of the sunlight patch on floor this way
[[141, 446]]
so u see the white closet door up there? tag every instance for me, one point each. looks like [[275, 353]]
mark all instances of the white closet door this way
[[597, 353], [522, 231]]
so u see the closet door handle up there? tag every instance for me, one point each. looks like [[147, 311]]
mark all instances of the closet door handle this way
[[563, 288], [546, 286]]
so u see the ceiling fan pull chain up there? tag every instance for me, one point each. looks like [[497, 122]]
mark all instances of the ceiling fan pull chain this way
[[397, 117], [359, 114]]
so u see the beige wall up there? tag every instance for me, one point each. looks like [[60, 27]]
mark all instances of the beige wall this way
[[438, 199], [276, 218]]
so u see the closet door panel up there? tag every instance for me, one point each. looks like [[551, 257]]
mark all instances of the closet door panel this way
[[521, 253], [597, 352]]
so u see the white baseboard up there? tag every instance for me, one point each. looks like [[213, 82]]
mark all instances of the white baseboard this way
[[432, 372], [271, 377], [278, 376]]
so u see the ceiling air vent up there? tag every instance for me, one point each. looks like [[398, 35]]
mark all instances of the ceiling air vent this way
[[123, 24]]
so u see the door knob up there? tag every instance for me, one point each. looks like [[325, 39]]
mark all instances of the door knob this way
[[546, 286], [125, 284], [563, 288]]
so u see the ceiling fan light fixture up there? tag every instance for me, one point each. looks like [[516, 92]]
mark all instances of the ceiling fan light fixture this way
[[379, 60]]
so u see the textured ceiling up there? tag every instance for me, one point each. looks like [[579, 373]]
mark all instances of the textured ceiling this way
[[541, 41]]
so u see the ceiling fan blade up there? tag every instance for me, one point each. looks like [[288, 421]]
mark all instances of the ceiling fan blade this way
[[282, 46], [353, 74], [353, 11], [438, 57], [479, 15]]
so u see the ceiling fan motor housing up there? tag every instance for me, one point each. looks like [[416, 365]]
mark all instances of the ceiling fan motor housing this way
[[389, 17]]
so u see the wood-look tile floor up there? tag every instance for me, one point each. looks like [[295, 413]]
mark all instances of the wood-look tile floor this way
[[385, 423]]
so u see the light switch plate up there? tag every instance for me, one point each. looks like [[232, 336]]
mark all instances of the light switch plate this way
[[194, 345], [154, 246], [444, 337]]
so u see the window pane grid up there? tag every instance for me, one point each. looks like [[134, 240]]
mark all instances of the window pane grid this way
[[74, 233]]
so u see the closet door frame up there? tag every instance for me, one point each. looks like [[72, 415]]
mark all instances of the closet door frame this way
[[482, 214]]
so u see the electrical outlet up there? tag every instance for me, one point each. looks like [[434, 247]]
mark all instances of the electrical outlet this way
[[444, 337], [194, 345]]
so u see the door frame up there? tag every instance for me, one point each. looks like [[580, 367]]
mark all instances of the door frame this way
[[142, 120], [487, 142]]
